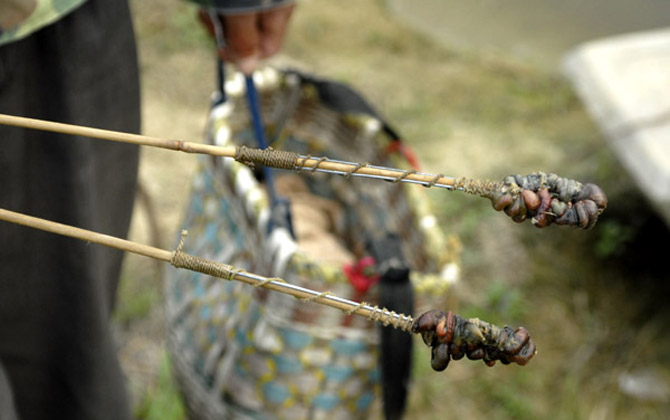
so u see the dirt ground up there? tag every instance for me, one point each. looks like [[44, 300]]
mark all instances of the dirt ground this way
[[594, 301]]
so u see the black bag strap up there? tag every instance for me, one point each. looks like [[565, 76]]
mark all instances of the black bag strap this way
[[395, 293]]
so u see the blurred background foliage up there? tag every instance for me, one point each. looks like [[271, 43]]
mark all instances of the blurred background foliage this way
[[595, 302]]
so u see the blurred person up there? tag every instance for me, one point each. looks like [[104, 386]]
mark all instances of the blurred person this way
[[253, 30], [75, 61]]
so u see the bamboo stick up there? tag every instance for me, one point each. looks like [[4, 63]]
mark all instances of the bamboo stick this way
[[118, 136], [182, 260], [85, 235], [303, 163]]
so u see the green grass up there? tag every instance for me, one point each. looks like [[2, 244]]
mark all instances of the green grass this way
[[163, 402], [138, 291]]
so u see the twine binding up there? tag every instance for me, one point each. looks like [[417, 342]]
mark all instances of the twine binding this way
[[316, 297], [404, 175], [433, 181], [355, 309], [181, 259], [268, 280], [353, 170], [281, 159], [480, 188], [299, 168]]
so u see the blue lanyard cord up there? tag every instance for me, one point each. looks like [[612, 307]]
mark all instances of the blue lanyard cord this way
[[280, 207], [254, 110]]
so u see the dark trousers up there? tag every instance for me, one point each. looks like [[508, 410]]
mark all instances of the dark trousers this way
[[57, 354]]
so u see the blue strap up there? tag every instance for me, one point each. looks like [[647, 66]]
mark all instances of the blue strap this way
[[280, 207], [254, 110]]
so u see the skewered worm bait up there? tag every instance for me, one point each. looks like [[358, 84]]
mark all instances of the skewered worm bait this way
[[452, 337], [548, 198]]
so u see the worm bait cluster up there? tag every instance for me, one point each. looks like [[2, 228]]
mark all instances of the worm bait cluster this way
[[452, 337], [549, 198]]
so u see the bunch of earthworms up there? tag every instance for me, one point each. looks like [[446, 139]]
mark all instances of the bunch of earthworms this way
[[453, 337], [548, 198]]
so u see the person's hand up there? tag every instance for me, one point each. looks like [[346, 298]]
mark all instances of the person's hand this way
[[251, 37]]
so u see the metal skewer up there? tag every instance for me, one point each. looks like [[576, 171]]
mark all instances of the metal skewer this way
[[180, 259]]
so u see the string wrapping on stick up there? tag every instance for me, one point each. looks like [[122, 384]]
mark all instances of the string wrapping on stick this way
[[375, 313], [316, 297], [269, 157], [484, 189], [355, 168], [267, 280], [353, 309], [433, 181], [404, 175], [204, 266]]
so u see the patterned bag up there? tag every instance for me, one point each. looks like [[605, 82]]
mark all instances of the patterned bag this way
[[246, 353]]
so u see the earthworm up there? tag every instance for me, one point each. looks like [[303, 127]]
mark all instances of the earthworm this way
[[451, 337], [549, 198]]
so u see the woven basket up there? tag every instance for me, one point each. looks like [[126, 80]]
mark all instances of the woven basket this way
[[240, 352]]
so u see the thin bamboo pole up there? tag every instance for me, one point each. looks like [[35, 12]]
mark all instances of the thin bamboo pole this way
[[110, 135], [302, 162], [84, 235], [183, 260]]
